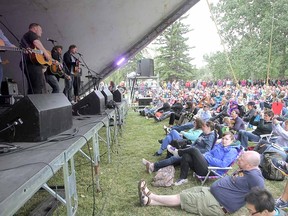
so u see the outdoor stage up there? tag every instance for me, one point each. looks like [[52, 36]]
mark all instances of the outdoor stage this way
[[24, 171]]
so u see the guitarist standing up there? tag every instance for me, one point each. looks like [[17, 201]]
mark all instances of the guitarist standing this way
[[52, 77], [71, 62], [3, 42], [33, 71]]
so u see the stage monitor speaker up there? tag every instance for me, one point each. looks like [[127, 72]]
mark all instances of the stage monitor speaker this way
[[107, 95], [117, 96], [145, 101], [9, 88], [146, 67], [36, 117], [92, 104]]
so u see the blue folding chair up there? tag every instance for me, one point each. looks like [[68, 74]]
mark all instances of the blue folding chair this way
[[215, 170]]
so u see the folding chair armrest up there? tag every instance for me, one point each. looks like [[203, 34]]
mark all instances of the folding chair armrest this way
[[266, 136], [219, 168]]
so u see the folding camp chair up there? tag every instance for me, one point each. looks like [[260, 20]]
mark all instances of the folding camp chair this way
[[214, 170]]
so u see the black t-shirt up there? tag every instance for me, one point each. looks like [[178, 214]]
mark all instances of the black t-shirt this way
[[27, 42]]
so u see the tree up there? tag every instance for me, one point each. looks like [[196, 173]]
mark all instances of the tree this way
[[173, 61], [248, 28]]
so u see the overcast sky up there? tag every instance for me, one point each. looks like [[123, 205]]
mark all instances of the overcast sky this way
[[204, 36]]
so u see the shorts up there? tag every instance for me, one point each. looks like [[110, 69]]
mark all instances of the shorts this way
[[199, 201]]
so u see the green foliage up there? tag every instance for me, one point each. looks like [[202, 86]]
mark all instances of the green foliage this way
[[248, 28], [173, 61]]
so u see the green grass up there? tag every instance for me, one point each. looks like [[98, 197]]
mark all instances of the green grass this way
[[119, 179]]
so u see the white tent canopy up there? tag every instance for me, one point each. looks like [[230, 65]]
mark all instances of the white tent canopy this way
[[103, 30]]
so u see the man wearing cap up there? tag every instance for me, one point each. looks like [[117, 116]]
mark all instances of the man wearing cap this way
[[250, 112]]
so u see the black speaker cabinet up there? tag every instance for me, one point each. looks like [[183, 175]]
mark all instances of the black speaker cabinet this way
[[145, 101], [117, 96], [92, 104], [107, 95], [36, 117], [9, 88], [146, 67]]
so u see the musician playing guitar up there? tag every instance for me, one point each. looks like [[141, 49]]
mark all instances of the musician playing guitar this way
[[3, 42], [71, 62], [33, 71], [56, 70]]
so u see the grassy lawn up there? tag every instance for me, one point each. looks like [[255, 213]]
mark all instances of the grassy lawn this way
[[119, 179]]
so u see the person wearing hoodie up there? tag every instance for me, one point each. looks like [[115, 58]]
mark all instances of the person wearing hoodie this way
[[264, 126]]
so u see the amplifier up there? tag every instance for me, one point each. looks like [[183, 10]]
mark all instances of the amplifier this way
[[145, 101], [8, 100]]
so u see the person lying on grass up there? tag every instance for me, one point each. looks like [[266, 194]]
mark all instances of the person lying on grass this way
[[226, 195]]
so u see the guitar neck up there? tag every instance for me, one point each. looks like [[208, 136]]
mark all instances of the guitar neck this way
[[6, 48]]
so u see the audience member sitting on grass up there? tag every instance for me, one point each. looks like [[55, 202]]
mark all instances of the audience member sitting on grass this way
[[250, 112], [192, 135], [207, 136], [264, 126], [226, 195], [221, 112], [176, 115], [176, 108], [186, 120], [237, 123], [261, 202], [204, 113], [221, 155]]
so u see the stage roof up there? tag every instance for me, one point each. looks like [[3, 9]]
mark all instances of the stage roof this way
[[103, 30]]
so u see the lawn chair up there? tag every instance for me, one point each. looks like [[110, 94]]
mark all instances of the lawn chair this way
[[214, 170]]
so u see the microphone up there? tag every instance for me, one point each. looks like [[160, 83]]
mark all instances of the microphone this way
[[79, 54], [53, 41]]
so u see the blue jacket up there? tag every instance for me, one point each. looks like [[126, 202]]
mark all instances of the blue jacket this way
[[221, 156]]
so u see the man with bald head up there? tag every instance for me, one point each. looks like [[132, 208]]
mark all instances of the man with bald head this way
[[226, 195]]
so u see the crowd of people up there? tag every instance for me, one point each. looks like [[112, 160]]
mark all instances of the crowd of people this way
[[220, 124]]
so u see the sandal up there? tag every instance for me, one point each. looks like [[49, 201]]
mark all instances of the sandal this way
[[142, 194], [142, 201]]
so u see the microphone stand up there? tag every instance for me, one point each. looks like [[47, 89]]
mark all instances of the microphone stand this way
[[22, 56], [95, 78]]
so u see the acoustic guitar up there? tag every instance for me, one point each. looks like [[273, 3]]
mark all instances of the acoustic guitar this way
[[37, 57], [57, 69]]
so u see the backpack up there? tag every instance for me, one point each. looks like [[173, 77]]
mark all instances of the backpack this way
[[268, 170], [164, 177]]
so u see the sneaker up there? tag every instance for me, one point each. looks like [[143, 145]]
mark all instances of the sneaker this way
[[172, 150], [280, 165], [281, 204], [160, 141], [180, 182]]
